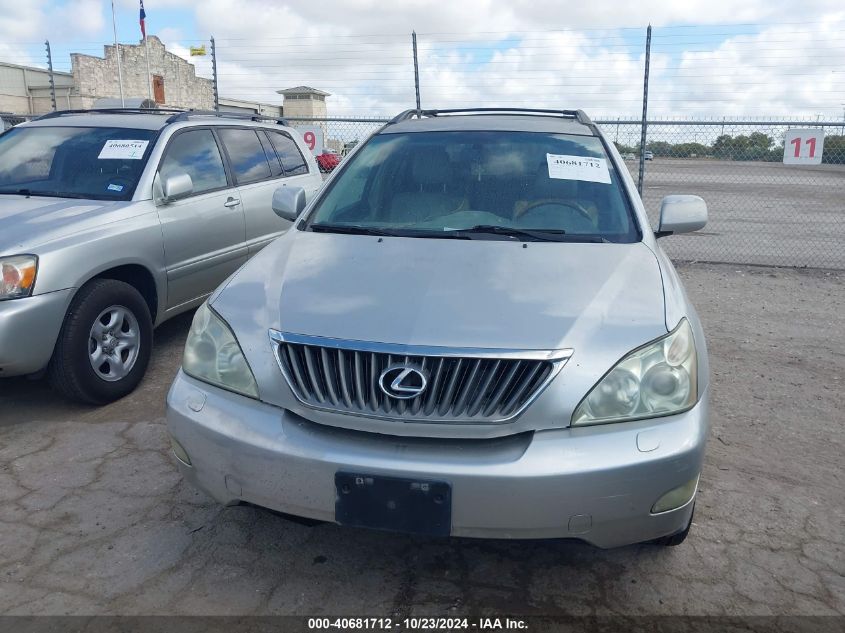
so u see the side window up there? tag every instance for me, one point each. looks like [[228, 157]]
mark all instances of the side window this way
[[195, 153], [275, 165], [248, 161], [289, 154]]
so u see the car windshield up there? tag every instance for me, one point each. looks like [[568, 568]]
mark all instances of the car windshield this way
[[73, 162], [479, 185]]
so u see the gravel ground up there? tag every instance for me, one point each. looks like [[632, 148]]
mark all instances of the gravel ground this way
[[95, 519]]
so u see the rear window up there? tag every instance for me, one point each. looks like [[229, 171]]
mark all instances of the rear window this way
[[447, 182], [289, 154], [74, 162]]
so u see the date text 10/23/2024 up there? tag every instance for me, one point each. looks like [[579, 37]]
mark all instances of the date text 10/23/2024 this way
[[417, 624]]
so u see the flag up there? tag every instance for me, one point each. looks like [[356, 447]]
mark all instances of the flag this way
[[142, 18], [197, 51]]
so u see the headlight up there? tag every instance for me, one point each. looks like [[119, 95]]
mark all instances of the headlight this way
[[656, 379], [18, 276], [212, 354]]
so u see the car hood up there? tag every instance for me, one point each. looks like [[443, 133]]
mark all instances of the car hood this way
[[453, 293], [28, 222]]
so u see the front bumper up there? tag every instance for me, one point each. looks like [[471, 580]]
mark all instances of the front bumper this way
[[596, 484], [29, 328]]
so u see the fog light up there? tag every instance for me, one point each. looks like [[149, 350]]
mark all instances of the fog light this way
[[180, 452], [676, 497]]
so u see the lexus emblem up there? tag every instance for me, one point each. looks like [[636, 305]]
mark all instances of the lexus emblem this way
[[402, 382]]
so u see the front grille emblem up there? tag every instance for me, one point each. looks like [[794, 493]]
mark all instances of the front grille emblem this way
[[402, 382]]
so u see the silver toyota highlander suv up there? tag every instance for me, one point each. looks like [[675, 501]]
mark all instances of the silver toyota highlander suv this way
[[113, 221], [471, 331]]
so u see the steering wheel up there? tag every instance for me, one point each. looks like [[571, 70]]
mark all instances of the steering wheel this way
[[560, 203]]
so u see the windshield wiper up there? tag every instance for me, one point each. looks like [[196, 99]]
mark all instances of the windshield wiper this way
[[532, 235], [47, 194], [351, 229], [357, 229], [471, 233]]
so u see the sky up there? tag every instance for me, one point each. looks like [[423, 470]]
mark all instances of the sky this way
[[709, 58]]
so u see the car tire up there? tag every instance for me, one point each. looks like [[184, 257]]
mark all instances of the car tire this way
[[104, 345], [676, 539]]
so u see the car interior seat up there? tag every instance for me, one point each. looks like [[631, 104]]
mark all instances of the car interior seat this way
[[428, 188]]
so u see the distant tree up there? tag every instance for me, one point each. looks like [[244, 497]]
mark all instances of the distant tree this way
[[660, 148], [756, 146], [627, 149], [690, 150], [834, 150]]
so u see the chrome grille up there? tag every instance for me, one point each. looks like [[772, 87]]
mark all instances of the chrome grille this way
[[463, 385]]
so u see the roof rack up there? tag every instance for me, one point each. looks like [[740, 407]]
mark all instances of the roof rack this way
[[59, 113], [407, 114], [578, 115], [176, 114], [184, 115]]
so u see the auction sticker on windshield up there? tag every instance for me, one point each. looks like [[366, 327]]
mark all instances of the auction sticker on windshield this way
[[564, 167], [123, 150]]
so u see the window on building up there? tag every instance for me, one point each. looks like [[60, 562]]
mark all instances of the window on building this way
[[158, 88], [246, 155], [292, 159], [195, 153]]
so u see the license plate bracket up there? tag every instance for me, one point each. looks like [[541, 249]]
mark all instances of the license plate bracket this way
[[395, 504]]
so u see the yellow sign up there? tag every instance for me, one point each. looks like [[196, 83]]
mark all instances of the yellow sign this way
[[197, 51]]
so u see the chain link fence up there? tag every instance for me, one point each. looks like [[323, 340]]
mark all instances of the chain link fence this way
[[761, 211]]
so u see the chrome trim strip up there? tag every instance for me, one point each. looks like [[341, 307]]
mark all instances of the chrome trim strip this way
[[422, 350], [558, 358]]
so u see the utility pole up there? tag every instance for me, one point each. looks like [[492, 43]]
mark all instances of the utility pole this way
[[52, 81], [416, 69], [645, 110], [214, 75]]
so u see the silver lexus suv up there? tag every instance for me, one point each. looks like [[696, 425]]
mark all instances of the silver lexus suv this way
[[113, 221], [471, 331]]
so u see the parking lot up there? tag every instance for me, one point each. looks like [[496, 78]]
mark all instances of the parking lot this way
[[759, 213], [96, 520]]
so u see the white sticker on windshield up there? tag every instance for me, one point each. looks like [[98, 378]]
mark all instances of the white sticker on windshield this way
[[563, 167], [123, 150]]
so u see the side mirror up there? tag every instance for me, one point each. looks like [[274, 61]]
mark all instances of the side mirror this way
[[681, 214], [288, 202], [175, 186]]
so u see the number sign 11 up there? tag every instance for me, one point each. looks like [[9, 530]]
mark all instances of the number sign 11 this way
[[803, 147]]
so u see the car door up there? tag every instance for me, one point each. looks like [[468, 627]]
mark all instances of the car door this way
[[204, 234], [263, 225], [257, 172]]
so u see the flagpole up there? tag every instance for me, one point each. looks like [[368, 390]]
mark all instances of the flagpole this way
[[117, 50], [149, 73]]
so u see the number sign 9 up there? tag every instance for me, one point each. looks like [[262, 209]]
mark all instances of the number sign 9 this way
[[313, 137]]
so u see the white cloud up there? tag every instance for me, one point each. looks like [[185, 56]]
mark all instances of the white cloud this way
[[523, 53], [482, 53], [80, 17]]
